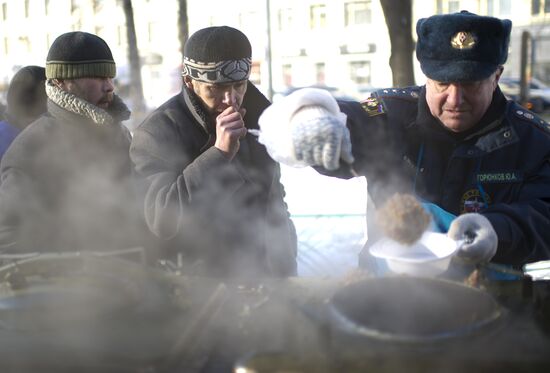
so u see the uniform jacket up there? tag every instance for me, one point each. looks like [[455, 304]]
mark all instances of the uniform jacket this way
[[500, 168], [227, 218], [65, 181]]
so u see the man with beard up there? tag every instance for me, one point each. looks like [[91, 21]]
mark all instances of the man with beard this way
[[65, 182], [212, 193]]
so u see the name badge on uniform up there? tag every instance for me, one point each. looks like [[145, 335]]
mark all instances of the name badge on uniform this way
[[499, 177]]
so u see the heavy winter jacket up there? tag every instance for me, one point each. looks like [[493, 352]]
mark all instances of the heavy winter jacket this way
[[225, 218], [65, 181], [500, 168]]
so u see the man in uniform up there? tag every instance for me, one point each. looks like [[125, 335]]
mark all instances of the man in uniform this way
[[212, 193], [455, 142]]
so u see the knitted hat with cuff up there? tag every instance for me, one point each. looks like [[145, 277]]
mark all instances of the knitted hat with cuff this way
[[218, 54], [79, 54]]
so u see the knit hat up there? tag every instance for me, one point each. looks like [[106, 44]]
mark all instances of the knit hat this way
[[461, 46], [79, 55], [218, 54], [27, 94]]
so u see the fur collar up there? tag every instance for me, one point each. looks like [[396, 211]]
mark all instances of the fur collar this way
[[118, 111]]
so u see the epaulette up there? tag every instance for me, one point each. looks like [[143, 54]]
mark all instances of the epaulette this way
[[528, 116], [410, 93], [375, 104]]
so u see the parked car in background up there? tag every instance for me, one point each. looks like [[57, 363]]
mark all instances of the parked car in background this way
[[539, 93]]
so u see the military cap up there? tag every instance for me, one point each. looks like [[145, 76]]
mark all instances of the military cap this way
[[461, 46]]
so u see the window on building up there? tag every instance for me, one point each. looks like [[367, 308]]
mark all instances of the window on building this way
[[358, 13], [98, 5], [284, 19], [490, 7], [6, 46], [99, 31], [46, 7], [546, 6], [535, 7], [247, 18], [153, 32], [287, 75], [121, 35], [439, 7], [27, 9], [317, 16], [320, 73], [360, 72], [74, 5], [256, 73], [505, 7], [4, 11], [454, 6]]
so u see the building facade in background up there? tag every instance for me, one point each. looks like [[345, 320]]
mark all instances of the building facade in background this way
[[335, 43]]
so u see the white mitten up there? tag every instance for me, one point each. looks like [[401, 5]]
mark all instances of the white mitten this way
[[480, 239], [306, 128]]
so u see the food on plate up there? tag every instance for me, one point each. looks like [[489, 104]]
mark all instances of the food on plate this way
[[403, 219]]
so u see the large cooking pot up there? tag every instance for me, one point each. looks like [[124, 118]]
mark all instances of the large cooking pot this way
[[410, 309], [76, 312]]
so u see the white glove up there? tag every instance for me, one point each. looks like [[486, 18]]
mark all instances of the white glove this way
[[306, 128], [480, 239], [319, 138]]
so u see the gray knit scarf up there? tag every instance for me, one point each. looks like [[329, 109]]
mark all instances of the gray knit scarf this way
[[118, 111]]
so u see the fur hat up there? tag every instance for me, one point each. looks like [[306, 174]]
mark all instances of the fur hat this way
[[79, 55], [218, 54], [461, 46]]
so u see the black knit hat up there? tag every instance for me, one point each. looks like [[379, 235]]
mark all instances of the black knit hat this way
[[461, 46], [79, 55], [218, 54]]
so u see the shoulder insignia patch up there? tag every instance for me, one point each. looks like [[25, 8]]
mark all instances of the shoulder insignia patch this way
[[373, 106], [530, 117]]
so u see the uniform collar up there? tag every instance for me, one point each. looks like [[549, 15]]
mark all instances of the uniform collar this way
[[432, 127]]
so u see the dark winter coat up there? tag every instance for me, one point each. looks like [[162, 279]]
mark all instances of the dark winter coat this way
[[65, 181], [226, 218], [500, 168]]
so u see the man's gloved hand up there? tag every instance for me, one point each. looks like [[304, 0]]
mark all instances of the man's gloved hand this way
[[306, 128], [480, 239], [320, 138]]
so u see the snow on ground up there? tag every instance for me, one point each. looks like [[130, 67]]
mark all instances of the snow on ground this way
[[329, 215]]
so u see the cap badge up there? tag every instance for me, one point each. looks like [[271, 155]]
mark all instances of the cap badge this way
[[463, 40]]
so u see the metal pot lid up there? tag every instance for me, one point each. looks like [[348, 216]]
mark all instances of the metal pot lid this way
[[411, 309]]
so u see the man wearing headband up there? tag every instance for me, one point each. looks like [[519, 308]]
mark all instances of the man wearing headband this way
[[455, 142], [211, 191]]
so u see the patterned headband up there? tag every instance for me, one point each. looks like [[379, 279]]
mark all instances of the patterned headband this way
[[218, 72]]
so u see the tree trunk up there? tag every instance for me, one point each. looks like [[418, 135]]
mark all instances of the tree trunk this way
[[136, 87], [183, 25], [398, 14]]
